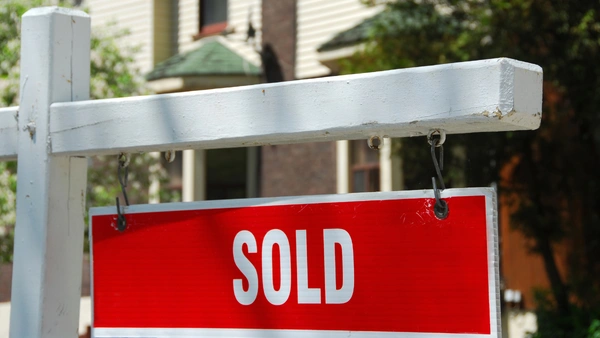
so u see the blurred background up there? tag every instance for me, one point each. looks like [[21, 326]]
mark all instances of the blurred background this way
[[547, 180]]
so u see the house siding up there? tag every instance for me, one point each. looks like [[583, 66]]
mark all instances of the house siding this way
[[239, 13], [318, 22], [189, 23], [132, 15]]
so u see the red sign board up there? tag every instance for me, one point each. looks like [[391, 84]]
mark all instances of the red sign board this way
[[321, 266]]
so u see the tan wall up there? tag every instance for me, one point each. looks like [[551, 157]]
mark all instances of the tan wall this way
[[164, 30]]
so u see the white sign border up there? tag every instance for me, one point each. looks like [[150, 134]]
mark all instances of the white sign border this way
[[493, 265]]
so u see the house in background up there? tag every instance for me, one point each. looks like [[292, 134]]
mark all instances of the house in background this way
[[205, 44]]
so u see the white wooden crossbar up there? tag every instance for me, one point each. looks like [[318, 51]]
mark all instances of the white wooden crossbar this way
[[54, 133], [479, 96]]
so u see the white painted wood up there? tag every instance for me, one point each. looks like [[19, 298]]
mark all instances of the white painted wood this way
[[193, 175], [342, 161], [46, 286], [476, 96], [239, 333], [8, 133], [188, 179], [385, 165]]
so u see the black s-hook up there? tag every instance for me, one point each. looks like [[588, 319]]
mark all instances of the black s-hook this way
[[436, 139], [123, 165]]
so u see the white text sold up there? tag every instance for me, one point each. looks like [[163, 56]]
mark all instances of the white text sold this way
[[306, 295]]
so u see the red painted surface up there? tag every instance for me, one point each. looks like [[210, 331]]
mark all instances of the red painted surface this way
[[413, 273]]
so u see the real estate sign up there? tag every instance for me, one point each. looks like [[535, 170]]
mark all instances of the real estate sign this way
[[368, 265]]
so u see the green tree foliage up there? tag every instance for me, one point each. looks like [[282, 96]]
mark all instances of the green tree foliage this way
[[552, 173], [112, 75], [8, 186]]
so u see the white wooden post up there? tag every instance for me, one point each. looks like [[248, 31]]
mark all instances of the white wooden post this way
[[46, 287]]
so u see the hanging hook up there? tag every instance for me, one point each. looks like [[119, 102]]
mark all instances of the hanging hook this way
[[122, 166], [439, 165], [436, 139], [170, 156], [374, 142], [440, 208], [121, 221]]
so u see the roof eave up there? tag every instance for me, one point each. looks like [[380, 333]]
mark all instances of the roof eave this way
[[339, 53], [199, 82]]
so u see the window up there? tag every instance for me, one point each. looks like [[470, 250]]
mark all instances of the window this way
[[226, 173], [213, 16], [364, 167]]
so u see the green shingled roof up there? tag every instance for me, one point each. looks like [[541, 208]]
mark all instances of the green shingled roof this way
[[354, 35], [211, 58]]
